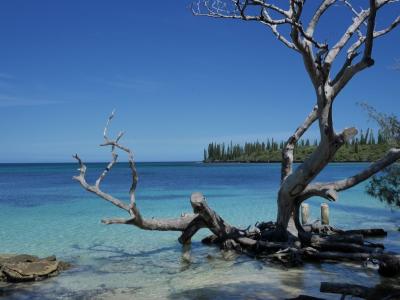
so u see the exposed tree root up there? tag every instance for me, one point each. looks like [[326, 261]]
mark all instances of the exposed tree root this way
[[331, 245]]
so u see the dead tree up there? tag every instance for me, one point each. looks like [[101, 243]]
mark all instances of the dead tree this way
[[188, 224], [281, 240]]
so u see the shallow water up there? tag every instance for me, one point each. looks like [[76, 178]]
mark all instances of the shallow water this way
[[43, 212]]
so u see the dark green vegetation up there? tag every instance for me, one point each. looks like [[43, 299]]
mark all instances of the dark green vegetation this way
[[364, 147], [386, 186]]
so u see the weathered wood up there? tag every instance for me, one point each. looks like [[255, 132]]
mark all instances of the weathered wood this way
[[378, 292], [188, 224], [389, 265], [346, 238], [213, 221], [269, 240], [287, 151], [324, 214], [373, 232], [325, 245], [305, 297], [211, 240], [296, 185], [186, 249], [305, 213], [345, 289], [191, 229], [244, 241], [272, 246]]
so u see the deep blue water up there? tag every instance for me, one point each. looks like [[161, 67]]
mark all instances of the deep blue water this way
[[44, 212]]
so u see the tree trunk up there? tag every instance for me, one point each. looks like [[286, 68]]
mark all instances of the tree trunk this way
[[269, 239], [286, 211]]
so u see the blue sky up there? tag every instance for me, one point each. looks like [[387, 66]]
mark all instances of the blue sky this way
[[176, 81]]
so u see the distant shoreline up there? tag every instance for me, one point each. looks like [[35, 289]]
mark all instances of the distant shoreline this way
[[277, 161], [172, 162]]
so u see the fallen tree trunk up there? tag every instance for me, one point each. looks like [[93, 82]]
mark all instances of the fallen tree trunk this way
[[373, 232], [269, 241], [380, 291], [345, 289]]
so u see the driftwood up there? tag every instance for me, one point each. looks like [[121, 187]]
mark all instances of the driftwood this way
[[373, 232], [285, 239], [305, 297], [314, 242], [381, 291]]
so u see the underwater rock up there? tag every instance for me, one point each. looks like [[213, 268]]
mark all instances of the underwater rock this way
[[24, 267]]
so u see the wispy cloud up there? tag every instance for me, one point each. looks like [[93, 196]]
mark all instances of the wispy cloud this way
[[10, 101]]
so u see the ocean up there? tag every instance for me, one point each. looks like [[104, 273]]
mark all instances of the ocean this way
[[44, 212]]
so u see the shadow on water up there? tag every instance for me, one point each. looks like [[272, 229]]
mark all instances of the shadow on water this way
[[117, 253], [162, 260], [240, 290]]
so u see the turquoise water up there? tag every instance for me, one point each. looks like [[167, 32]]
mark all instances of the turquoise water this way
[[43, 212]]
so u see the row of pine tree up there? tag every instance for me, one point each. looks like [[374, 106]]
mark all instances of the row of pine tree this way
[[233, 152]]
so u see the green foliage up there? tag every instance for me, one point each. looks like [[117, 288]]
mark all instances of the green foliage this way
[[389, 124], [386, 187], [362, 148]]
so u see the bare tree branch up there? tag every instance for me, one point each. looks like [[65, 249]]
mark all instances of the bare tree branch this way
[[270, 6], [318, 66], [370, 31], [287, 151], [334, 51], [353, 48], [327, 190], [188, 224], [353, 10], [95, 189], [348, 70], [274, 29], [137, 220], [317, 15], [219, 9], [360, 19], [296, 186], [107, 169]]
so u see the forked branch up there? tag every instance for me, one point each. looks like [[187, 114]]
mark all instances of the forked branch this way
[[287, 151], [329, 190], [188, 224]]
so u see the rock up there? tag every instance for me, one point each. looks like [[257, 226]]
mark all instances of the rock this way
[[27, 271], [18, 258], [23, 267]]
